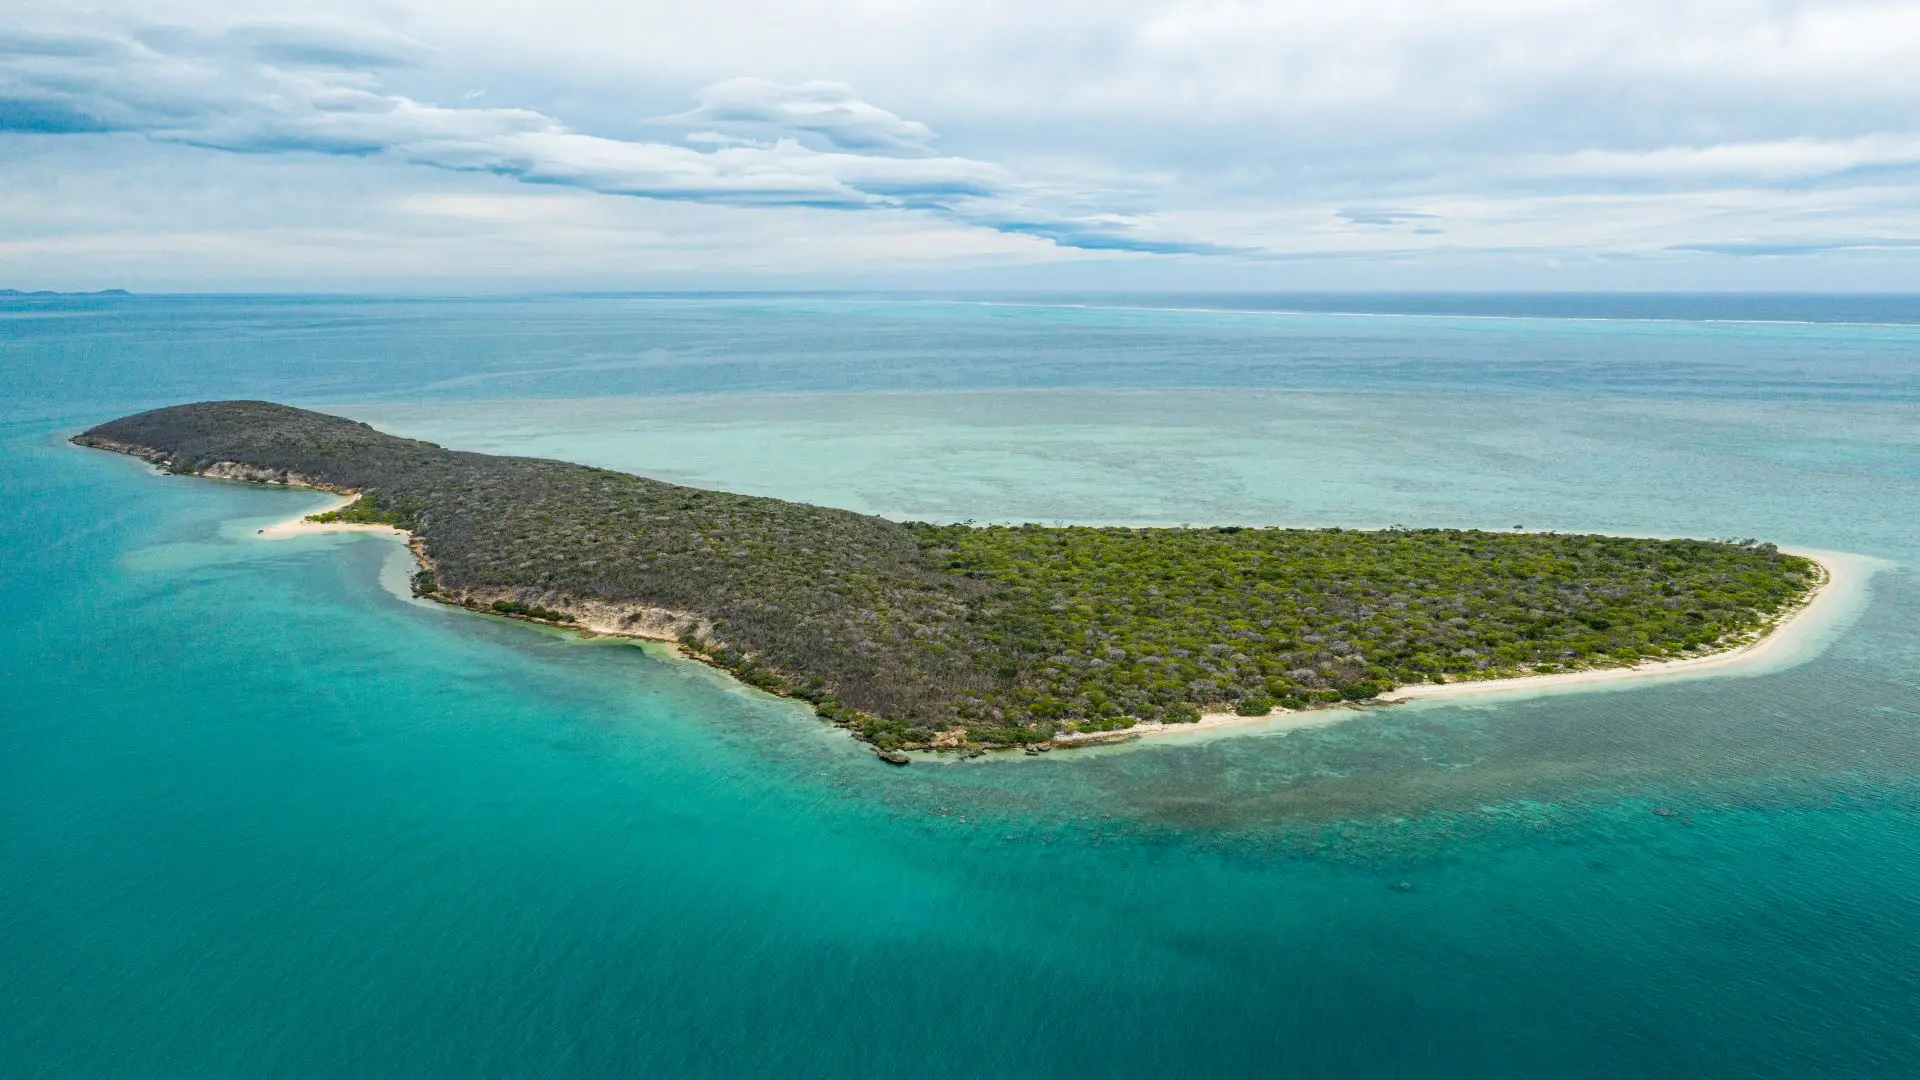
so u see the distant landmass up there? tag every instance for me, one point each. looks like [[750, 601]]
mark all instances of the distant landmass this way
[[918, 635], [50, 292]]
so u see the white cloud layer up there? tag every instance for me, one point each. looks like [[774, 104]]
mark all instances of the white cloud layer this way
[[287, 87], [1633, 138], [828, 110]]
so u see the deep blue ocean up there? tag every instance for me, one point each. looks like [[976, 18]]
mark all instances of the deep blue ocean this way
[[263, 816]]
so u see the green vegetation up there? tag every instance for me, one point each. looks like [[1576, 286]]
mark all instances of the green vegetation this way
[[1111, 622], [1014, 634], [531, 611], [366, 510]]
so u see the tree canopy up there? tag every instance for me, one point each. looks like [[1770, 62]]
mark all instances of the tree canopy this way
[[1013, 634]]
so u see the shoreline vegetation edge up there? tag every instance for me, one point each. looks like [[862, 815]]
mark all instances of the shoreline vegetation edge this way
[[1775, 639], [1763, 644]]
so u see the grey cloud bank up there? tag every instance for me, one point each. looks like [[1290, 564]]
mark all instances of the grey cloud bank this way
[[1566, 143]]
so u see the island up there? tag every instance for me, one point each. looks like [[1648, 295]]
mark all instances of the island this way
[[963, 637]]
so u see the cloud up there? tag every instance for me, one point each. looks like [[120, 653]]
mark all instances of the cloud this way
[[281, 87], [757, 108], [320, 45], [46, 118], [1104, 236], [1766, 162], [1363, 216], [1674, 137], [1764, 248]]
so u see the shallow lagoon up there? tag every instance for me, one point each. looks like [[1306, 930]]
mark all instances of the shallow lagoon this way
[[263, 816]]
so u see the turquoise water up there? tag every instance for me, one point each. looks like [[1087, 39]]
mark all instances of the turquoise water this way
[[260, 816]]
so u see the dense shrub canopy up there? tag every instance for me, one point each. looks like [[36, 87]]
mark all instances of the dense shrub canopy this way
[[1110, 623], [1014, 633]]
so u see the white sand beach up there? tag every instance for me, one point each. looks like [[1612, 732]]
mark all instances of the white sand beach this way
[[300, 526], [1796, 635], [1213, 723]]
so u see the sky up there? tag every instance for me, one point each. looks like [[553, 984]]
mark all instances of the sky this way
[[484, 145]]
